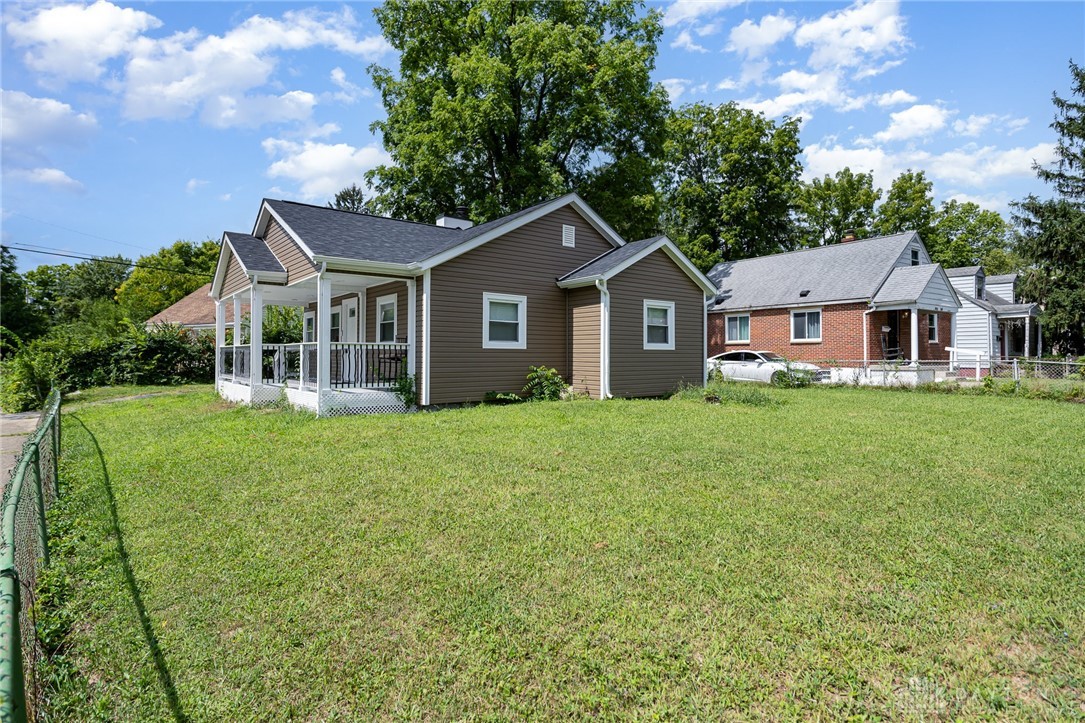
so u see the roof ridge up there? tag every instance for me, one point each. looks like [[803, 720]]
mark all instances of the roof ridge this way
[[822, 247], [589, 262], [364, 215]]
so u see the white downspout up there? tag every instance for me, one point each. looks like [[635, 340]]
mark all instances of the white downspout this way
[[604, 340]]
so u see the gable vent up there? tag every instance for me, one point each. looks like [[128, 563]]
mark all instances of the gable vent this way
[[568, 236]]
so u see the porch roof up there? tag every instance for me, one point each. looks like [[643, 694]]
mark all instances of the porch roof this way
[[253, 253], [909, 284]]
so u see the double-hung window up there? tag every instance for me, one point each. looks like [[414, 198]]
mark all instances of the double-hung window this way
[[386, 318], [310, 328], [504, 321], [658, 324], [738, 329], [932, 327], [806, 325], [335, 325]]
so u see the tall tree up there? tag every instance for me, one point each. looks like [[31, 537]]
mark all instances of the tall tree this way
[[351, 198], [1052, 240], [967, 235], [909, 206], [498, 105], [166, 276], [832, 205], [731, 179], [16, 313], [62, 292]]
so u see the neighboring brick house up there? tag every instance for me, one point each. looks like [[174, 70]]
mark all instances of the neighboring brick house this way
[[854, 301], [461, 309], [195, 312]]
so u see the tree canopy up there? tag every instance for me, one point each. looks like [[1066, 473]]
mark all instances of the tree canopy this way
[[351, 198], [909, 206], [966, 235], [833, 205], [166, 276], [17, 315], [731, 177], [500, 105], [1052, 240]]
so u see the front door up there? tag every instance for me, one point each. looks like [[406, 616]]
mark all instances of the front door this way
[[892, 337], [350, 320]]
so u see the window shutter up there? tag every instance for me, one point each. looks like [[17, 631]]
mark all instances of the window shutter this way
[[568, 236]]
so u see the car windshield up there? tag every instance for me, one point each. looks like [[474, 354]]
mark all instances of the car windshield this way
[[771, 356]]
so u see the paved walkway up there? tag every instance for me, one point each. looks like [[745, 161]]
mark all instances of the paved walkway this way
[[14, 429]]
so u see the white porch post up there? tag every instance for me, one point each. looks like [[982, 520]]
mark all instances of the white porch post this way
[[220, 337], [323, 335], [953, 330], [237, 321], [411, 324], [1027, 335], [1039, 339], [915, 334], [256, 335]]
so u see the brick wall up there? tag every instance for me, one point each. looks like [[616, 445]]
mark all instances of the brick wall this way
[[841, 334]]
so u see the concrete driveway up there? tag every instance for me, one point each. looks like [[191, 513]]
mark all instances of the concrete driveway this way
[[14, 429]]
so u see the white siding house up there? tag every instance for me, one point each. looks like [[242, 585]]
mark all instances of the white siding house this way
[[990, 321]]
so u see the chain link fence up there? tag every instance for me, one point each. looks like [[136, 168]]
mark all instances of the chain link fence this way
[[1033, 373], [23, 553]]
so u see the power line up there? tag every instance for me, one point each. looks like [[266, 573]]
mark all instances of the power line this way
[[108, 261], [81, 233]]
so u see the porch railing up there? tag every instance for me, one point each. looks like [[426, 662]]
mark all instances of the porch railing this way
[[234, 363], [352, 365]]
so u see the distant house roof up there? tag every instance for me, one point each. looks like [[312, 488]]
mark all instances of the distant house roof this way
[[963, 271], [1004, 307], [197, 310], [905, 284], [1002, 279], [829, 274]]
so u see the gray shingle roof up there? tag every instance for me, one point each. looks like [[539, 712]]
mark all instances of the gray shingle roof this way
[[963, 271], [831, 273], [359, 236], [253, 252], [905, 284], [604, 263], [1002, 279], [1004, 307]]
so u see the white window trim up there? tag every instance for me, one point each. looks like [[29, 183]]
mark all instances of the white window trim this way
[[932, 317], [669, 306], [392, 299], [521, 319], [791, 326], [337, 309], [309, 316], [727, 325]]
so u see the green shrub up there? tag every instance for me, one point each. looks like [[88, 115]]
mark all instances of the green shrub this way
[[163, 355], [406, 390], [719, 391], [544, 384]]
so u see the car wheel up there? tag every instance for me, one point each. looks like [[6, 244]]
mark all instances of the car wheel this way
[[777, 378]]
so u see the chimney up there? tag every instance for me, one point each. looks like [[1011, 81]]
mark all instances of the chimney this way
[[849, 236], [456, 219]]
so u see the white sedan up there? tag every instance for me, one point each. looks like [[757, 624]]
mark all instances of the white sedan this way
[[762, 366]]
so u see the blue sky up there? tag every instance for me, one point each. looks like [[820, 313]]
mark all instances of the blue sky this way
[[127, 126]]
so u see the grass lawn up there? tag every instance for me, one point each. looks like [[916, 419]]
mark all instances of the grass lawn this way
[[845, 552]]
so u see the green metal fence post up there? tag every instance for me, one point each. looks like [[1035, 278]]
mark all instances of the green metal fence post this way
[[56, 451], [11, 666], [43, 535]]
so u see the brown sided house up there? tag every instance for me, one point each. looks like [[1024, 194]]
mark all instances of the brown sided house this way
[[856, 301], [462, 309]]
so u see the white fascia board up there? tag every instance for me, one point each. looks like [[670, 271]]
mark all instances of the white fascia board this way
[[266, 213], [376, 267], [220, 270], [570, 199]]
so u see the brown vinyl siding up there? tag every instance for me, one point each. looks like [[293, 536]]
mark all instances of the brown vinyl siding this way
[[585, 321], [235, 278], [639, 372], [288, 252], [399, 288], [525, 262]]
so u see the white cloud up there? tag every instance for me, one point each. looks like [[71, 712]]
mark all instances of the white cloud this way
[[854, 36], [193, 185], [29, 122], [348, 92], [999, 202], [975, 125], [175, 76], [915, 122], [684, 40], [755, 39], [975, 165], [727, 84], [1015, 125], [321, 170], [685, 11], [73, 42], [896, 97], [226, 197], [51, 177], [675, 87]]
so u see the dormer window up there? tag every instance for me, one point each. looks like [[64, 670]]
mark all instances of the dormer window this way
[[915, 257], [979, 288]]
